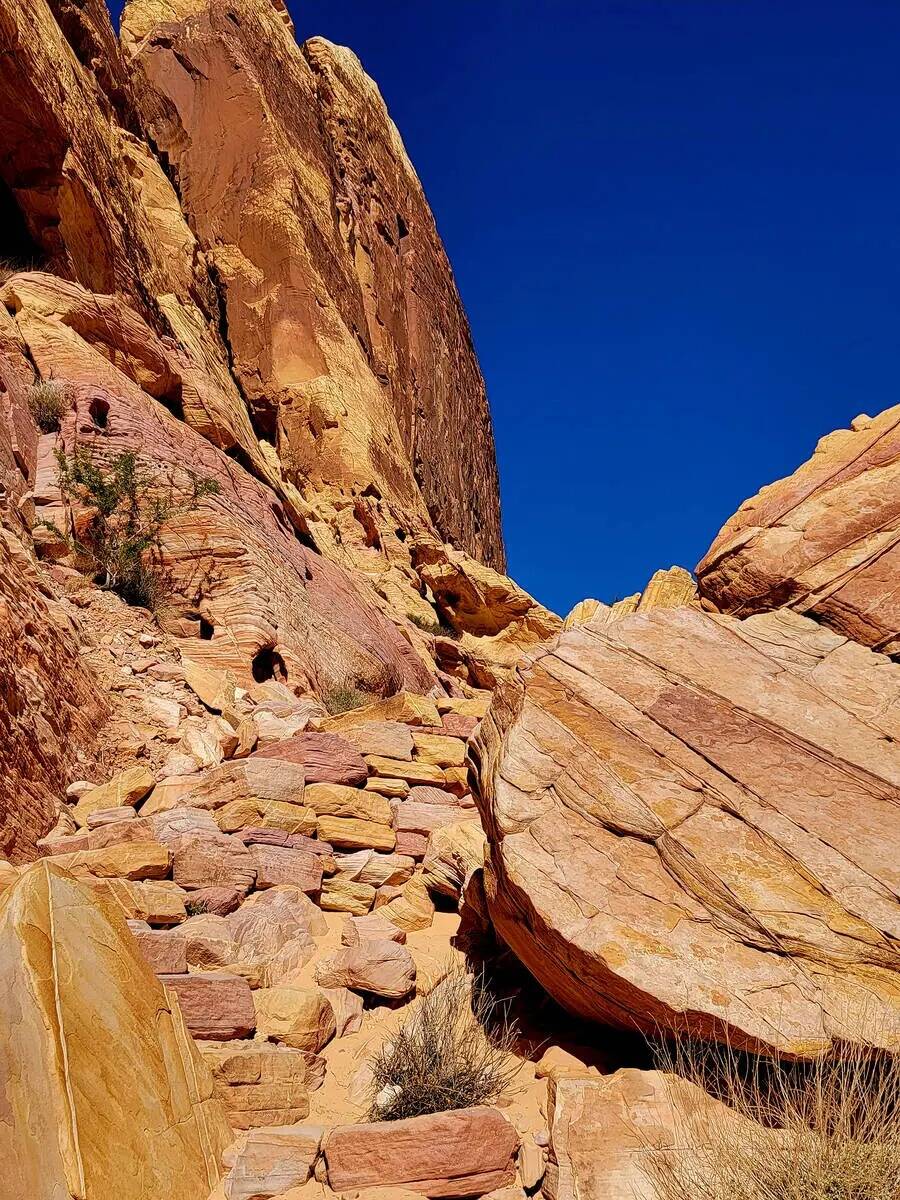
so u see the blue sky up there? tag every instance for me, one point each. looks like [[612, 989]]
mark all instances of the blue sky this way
[[675, 230]]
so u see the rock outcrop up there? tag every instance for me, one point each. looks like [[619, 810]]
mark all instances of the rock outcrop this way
[[693, 826], [619, 1136], [50, 705], [670, 588], [345, 330], [824, 541], [103, 1091]]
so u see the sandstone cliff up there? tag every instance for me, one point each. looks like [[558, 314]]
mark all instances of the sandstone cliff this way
[[215, 245]]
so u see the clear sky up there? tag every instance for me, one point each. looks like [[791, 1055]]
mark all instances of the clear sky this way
[[676, 230], [674, 224]]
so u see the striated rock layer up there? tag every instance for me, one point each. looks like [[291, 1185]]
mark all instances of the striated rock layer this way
[[693, 825], [49, 702], [345, 331], [142, 1125], [824, 541]]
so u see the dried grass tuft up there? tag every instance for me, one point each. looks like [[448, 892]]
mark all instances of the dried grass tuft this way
[[456, 1050], [822, 1130]]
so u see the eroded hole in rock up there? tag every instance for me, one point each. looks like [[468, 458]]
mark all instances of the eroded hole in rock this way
[[99, 413], [268, 664], [174, 403], [207, 629], [18, 250]]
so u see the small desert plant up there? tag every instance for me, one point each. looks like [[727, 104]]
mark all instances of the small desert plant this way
[[432, 626], [13, 266], [344, 698], [822, 1130], [195, 908], [129, 510], [454, 1051], [47, 403]]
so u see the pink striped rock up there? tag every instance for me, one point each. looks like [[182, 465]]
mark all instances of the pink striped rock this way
[[326, 758], [281, 864], [202, 860], [215, 1005], [463, 1153]]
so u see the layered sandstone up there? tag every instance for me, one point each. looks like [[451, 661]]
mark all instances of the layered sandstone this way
[[693, 826], [345, 330], [77, 999], [242, 586], [824, 541], [49, 702]]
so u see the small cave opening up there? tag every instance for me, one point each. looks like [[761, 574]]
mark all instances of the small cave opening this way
[[207, 629], [268, 664], [18, 249], [99, 412], [173, 401]]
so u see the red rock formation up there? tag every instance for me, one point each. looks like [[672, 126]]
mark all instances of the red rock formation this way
[[824, 541], [693, 825], [344, 326], [49, 703], [269, 606]]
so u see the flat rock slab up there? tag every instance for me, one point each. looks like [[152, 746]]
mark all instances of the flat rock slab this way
[[203, 860], [164, 952], [282, 864], [608, 1135], [125, 860], [693, 825], [267, 1162], [463, 1153], [326, 757], [215, 1005]]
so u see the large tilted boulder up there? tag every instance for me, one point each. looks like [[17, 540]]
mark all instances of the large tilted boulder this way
[[104, 1094], [825, 540], [693, 825]]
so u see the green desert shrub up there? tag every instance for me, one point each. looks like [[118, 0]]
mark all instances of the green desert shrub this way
[[130, 507], [455, 1050], [47, 403], [825, 1130]]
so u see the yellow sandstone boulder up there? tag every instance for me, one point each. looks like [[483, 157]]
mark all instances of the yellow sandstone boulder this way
[[104, 1095]]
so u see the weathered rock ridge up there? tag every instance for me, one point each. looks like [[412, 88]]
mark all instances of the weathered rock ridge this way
[[215, 247], [824, 541], [297, 262], [693, 825]]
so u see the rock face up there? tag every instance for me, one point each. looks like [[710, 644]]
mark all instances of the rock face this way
[[287, 325], [49, 702], [323, 249], [72, 983], [693, 825], [610, 1137], [824, 541]]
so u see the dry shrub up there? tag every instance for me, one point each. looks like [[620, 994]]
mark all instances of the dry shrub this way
[[822, 1130], [344, 698], [454, 1051], [47, 403]]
